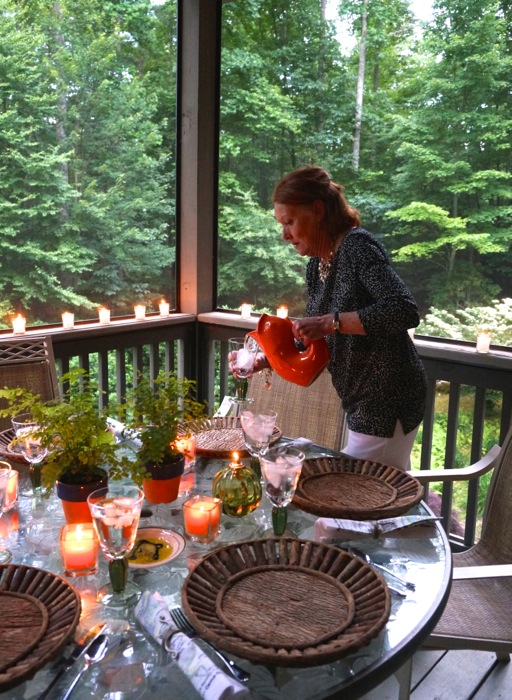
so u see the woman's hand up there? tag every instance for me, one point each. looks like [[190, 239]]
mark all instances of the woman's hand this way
[[307, 330]]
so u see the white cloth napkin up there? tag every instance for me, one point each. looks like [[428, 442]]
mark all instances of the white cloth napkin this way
[[209, 681], [420, 526]]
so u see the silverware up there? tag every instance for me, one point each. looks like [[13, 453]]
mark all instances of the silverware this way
[[78, 651], [181, 621], [366, 557], [94, 653]]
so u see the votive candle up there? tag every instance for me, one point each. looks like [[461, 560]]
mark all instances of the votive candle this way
[[104, 316], [483, 342], [246, 310], [282, 311], [164, 308], [18, 325], [11, 495], [68, 319], [79, 549], [140, 312], [201, 517]]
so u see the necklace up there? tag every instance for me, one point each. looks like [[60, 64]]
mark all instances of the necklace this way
[[324, 266]]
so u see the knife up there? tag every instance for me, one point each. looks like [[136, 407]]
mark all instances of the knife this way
[[78, 651]]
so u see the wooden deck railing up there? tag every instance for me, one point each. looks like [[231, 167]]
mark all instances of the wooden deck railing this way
[[197, 349]]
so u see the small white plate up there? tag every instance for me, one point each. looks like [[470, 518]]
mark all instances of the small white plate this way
[[165, 538]]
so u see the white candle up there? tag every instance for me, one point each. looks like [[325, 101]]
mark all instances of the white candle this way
[[18, 325], [483, 342], [68, 320], [140, 312], [164, 308], [246, 310], [104, 315], [282, 311]]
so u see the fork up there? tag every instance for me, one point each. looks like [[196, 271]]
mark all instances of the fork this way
[[179, 619]]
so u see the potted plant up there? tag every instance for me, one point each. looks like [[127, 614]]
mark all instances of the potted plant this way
[[154, 409], [82, 453]]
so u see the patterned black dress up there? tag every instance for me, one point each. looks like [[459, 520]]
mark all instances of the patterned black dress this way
[[379, 376]]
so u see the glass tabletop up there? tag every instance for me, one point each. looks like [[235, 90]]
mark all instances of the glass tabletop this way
[[135, 667]]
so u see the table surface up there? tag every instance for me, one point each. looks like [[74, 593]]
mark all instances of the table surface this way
[[136, 668]]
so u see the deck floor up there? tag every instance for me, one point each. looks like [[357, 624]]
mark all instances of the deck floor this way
[[452, 675]]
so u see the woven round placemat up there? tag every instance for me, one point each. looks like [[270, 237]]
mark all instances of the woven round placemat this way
[[24, 621], [220, 437], [286, 602], [62, 605], [343, 487]]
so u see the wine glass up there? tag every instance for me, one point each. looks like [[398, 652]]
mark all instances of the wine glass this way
[[115, 512], [5, 554], [28, 440], [281, 467], [257, 429], [242, 354]]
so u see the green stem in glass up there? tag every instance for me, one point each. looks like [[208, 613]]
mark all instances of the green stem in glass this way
[[118, 572], [35, 476], [279, 519], [241, 389], [256, 466]]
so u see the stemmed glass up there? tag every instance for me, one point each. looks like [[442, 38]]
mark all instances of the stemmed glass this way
[[5, 554], [115, 512], [242, 354], [281, 468], [26, 430], [257, 429]]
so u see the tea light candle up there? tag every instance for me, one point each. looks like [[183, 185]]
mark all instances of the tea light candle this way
[[68, 320], [483, 342], [79, 549], [11, 495], [18, 325], [201, 517], [282, 311], [164, 308], [246, 310], [140, 312], [104, 316]]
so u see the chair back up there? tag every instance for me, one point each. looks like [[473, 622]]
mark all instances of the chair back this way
[[314, 412], [28, 364], [496, 535]]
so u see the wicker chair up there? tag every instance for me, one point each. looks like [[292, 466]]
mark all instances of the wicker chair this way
[[28, 363], [478, 614], [313, 412]]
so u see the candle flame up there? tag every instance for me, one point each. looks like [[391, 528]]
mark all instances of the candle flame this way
[[78, 533], [235, 456]]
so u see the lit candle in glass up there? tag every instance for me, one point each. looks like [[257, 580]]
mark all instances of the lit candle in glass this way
[[483, 342], [104, 316], [140, 312], [246, 310], [79, 549], [282, 311], [18, 325], [201, 517], [11, 495], [68, 320], [164, 308]]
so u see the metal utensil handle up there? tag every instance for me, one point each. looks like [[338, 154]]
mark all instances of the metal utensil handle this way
[[57, 678], [407, 584], [74, 682]]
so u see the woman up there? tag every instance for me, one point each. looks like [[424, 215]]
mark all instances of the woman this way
[[362, 307]]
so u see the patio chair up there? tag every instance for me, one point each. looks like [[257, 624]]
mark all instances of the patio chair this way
[[28, 363], [478, 614], [314, 412]]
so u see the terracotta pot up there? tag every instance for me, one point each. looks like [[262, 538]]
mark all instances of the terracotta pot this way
[[164, 485], [275, 337], [74, 497]]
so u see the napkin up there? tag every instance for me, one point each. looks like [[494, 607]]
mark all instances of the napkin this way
[[326, 529], [300, 443], [209, 681]]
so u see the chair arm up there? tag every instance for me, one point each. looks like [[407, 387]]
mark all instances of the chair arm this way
[[472, 472], [485, 571]]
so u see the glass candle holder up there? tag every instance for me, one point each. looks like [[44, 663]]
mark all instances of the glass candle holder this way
[[164, 307], [245, 310], [140, 312], [201, 518], [18, 325], [79, 549], [282, 311], [483, 342], [68, 320], [104, 316], [11, 497]]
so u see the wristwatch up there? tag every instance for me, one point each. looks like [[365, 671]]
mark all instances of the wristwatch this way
[[336, 325]]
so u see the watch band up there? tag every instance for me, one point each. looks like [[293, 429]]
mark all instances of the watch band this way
[[336, 326]]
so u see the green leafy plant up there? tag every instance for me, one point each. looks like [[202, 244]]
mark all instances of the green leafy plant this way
[[155, 409], [72, 428]]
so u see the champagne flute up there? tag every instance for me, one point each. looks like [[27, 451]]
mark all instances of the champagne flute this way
[[281, 467], [115, 512], [5, 554], [29, 443], [257, 429], [242, 354]]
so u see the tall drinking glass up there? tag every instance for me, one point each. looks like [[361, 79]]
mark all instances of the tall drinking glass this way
[[115, 512], [5, 554], [242, 354], [257, 429], [281, 468], [29, 443]]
